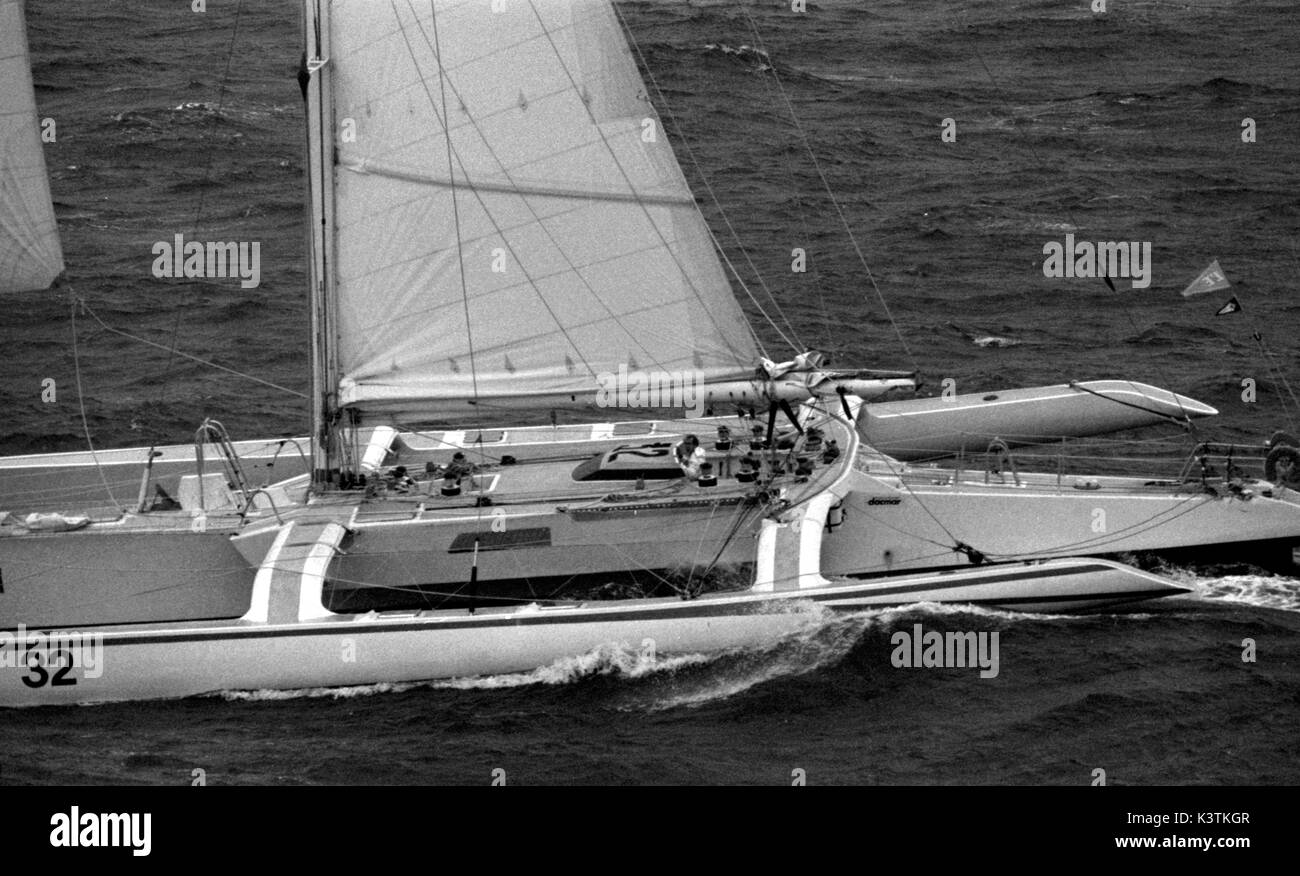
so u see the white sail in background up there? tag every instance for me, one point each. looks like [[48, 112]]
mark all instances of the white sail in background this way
[[30, 255], [541, 237]]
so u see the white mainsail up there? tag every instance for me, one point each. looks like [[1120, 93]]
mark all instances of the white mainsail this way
[[30, 255], [541, 236]]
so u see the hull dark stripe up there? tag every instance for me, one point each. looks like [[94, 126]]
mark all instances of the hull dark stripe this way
[[991, 579], [1110, 598], [936, 583], [1126, 595]]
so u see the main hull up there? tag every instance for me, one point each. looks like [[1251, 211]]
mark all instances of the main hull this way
[[176, 660]]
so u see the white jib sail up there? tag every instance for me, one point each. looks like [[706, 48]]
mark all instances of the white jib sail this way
[[511, 221], [30, 255]]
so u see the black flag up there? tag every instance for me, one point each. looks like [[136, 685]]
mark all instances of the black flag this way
[[1232, 306], [303, 76]]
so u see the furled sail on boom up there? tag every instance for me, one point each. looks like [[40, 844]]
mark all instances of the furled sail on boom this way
[[510, 220], [30, 255]]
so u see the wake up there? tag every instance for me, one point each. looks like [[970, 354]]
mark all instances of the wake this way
[[659, 682]]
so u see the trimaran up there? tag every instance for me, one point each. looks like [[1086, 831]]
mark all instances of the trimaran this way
[[498, 240]]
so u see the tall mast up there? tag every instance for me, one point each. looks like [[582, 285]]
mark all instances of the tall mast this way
[[320, 240]]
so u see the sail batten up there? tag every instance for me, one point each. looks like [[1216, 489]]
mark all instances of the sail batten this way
[[31, 257], [415, 176], [506, 180]]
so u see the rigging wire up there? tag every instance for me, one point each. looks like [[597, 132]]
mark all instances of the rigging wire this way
[[81, 405], [175, 352], [1185, 422], [839, 210], [455, 202], [203, 190], [175, 331], [793, 338], [559, 57], [742, 511], [445, 121], [460, 248], [801, 206], [1156, 520], [1277, 373]]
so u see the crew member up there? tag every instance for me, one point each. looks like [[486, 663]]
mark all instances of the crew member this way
[[690, 456], [399, 481], [458, 467]]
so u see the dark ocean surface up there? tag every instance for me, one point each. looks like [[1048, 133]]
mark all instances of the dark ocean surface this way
[[1122, 126]]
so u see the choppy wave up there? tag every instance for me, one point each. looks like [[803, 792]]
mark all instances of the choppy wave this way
[[1262, 591], [734, 672], [333, 693], [607, 660]]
